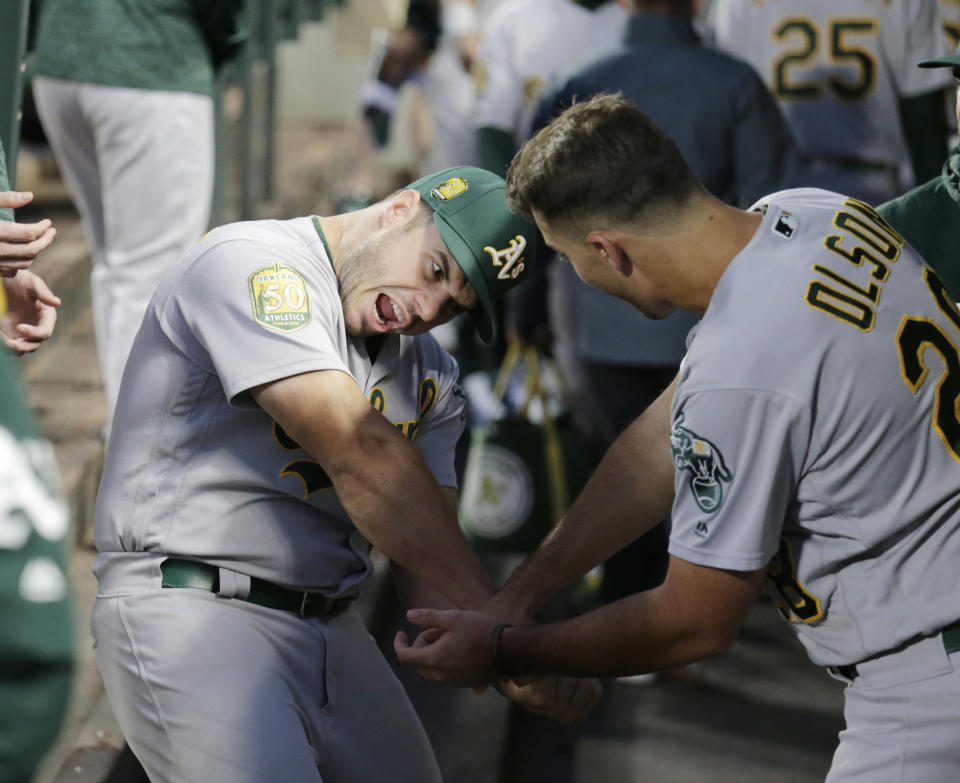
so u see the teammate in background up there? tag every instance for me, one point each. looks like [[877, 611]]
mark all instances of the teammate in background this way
[[806, 440], [524, 46], [929, 215], [36, 628], [405, 54], [449, 91], [730, 131], [431, 53], [282, 411], [950, 19], [124, 92], [843, 73]]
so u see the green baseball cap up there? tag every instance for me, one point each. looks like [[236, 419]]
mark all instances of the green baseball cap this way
[[491, 244], [949, 60]]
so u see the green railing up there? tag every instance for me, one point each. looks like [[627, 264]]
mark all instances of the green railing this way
[[13, 42]]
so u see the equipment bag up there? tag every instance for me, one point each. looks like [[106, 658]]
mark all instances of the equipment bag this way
[[521, 475]]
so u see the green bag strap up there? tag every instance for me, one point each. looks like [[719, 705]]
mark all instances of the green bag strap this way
[[552, 448]]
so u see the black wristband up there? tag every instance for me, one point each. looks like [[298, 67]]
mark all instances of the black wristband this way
[[496, 651]]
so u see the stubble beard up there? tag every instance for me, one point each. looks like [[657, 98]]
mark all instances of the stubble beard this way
[[360, 270]]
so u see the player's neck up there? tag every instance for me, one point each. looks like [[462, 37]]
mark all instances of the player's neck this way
[[694, 258], [345, 232], [723, 233]]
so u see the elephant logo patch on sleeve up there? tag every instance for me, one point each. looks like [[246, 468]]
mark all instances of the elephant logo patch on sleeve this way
[[703, 461]]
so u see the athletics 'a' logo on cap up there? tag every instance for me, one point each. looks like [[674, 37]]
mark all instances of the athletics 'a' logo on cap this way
[[510, 259], [453, 187]]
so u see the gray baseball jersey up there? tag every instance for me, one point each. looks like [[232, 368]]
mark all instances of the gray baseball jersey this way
[[194, 468], [838, 69], [815, 428]]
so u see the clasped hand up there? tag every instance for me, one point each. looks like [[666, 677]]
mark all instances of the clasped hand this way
[[454, 649]]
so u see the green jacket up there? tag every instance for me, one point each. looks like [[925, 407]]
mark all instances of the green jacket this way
[[929, 219], [147, 44]]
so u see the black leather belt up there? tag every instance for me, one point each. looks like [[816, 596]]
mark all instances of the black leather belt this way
[[951, 643], [203, 576]]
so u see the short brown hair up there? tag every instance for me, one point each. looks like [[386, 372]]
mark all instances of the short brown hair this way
[[600, 163]]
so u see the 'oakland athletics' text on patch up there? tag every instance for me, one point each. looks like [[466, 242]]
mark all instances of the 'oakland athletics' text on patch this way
[[703, 461], [280, 298]]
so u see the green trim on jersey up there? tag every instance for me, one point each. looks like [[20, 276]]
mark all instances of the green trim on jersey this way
[[316, 225]]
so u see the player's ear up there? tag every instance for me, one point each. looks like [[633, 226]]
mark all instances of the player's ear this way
[[401, 206], [610, 251]]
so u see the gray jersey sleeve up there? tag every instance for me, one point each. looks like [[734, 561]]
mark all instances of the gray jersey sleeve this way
[[251, 312], [738, 455]]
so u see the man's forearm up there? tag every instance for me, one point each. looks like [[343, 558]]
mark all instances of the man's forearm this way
[[416, 592], [381, 479], [693, 615], [394, 500], [629, 493]]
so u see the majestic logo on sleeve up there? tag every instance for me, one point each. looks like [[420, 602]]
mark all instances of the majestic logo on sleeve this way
[[704, 462], [510, 259], [280, 297]]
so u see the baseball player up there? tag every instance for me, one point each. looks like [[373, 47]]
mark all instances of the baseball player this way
[[811, 438], [524, 44], [283, 411], [844, 74]]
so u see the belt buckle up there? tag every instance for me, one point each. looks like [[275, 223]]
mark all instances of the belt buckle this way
[[304, 597]]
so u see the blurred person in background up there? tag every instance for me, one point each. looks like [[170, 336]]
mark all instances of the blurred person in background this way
[[867, 122], [124, 93]]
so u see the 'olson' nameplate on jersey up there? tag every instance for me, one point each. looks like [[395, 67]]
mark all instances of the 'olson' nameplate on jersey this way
[[280, 298]]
